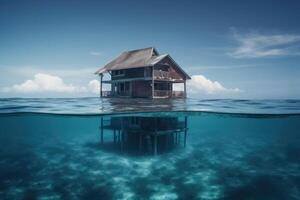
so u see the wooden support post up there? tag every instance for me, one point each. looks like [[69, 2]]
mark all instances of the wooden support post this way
[[184, 143], [152, 81], [140, 143], [122, 141], [184, 88], [115, 136], [155, 138], [130, 88], [101, 130], [122, 135], [101, 78], [167, 141], [155, 143], [174, 137], [185, 130]]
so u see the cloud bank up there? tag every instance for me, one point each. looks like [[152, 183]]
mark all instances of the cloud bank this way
[[45, 83], [256, 45], [199, 84], [94, 86]]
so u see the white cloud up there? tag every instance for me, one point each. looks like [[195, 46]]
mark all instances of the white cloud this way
[[199, 84], [96, 53], [45, 83], [256, 45], [94, 86]]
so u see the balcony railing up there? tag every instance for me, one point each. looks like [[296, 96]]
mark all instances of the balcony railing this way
[[161, 75], [162, 93], [110, 93], [178, 94], [106, 93], [157, 93], [168, 93]]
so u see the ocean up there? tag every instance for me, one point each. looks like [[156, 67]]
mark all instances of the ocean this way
[[91, 148]]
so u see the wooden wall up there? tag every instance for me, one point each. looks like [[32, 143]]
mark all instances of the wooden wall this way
[[175, 74], [141, 89], [130, 73]]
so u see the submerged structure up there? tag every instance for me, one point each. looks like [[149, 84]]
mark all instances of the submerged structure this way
[[143, 73], [141, 135]]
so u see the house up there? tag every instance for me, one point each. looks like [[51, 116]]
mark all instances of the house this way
[[143, 73]]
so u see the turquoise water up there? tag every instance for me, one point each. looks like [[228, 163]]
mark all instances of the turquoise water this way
[[209, 149], [103, 106]]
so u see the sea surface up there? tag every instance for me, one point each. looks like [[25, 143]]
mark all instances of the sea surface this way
[[91, 148]]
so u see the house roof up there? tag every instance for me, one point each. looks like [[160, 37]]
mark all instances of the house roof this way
[[135, 59]]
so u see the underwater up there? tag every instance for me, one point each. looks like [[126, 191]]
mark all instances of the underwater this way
[[91, 148]]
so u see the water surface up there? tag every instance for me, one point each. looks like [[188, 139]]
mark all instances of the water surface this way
[[113, 105], [233, 149]]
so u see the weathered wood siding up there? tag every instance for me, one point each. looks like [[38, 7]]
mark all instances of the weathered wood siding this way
[[130, 73], [141, 89], [172, 70]]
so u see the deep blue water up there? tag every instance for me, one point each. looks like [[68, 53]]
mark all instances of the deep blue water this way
[[149, 149]]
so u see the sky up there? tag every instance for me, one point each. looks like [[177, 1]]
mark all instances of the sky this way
[[231, 49]]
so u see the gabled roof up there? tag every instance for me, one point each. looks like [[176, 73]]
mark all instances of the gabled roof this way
[[137, 58]]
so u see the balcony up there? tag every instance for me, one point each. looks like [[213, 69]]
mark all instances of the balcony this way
[[162, 75], [162, 93], [157, 94], [111, 94], [168, 94]]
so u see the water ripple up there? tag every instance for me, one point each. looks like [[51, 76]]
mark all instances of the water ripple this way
[[106, 105]]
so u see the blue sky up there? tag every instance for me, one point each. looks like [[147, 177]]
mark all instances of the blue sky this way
[[233, 49]]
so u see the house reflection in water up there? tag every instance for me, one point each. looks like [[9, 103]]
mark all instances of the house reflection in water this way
[[143, 134]]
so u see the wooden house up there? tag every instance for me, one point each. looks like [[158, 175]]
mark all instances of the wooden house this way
[[143, 73]]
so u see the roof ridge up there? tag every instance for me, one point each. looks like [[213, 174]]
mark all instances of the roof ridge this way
[[139, 49]]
